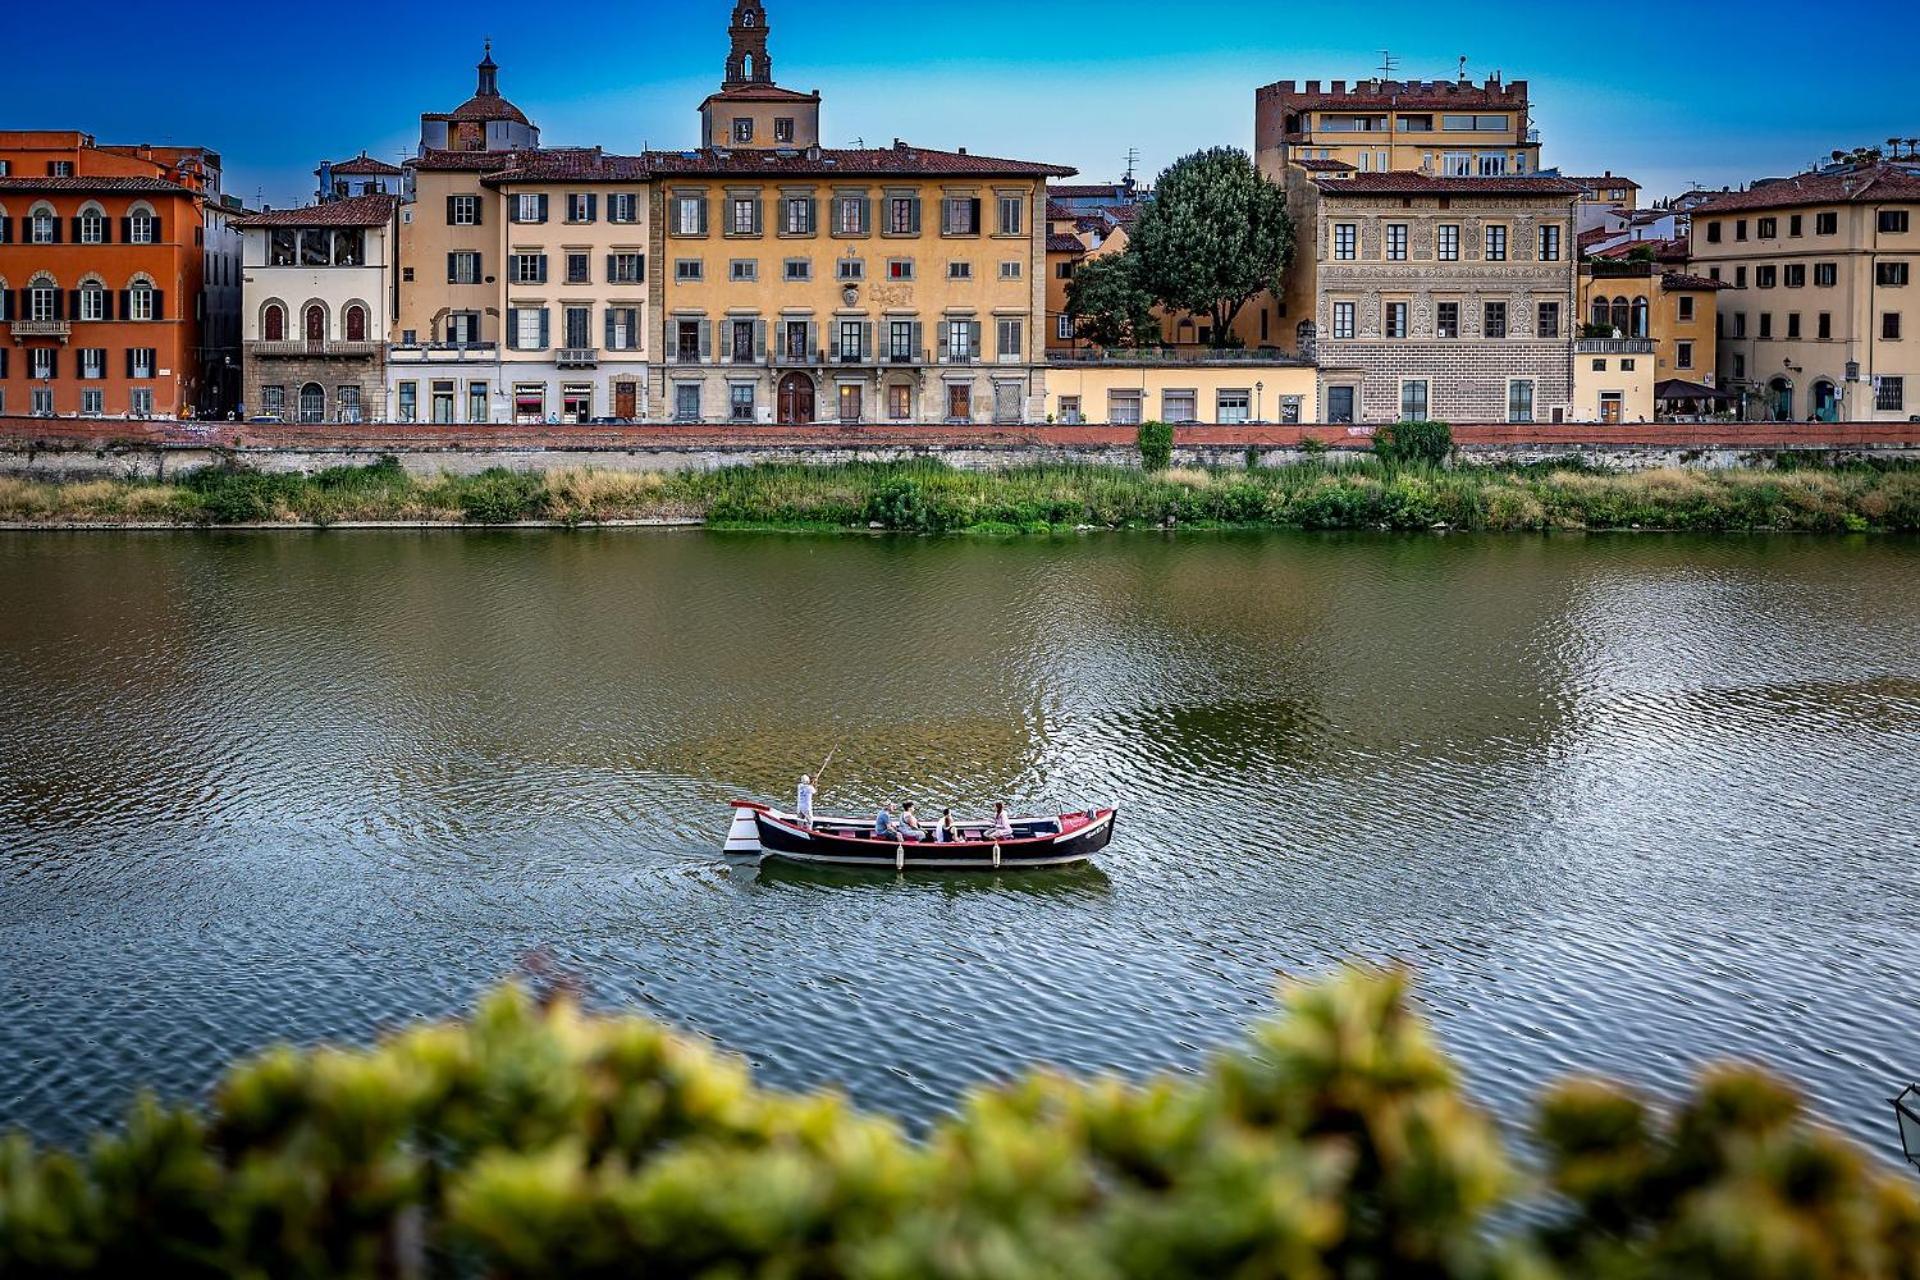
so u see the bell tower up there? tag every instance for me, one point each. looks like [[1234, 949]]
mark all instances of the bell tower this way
[[748, 62]]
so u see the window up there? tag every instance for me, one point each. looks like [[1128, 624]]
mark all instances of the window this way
[[1793, 324], [1640, 317], [463, 211], [1547, 322], [42, 402], [1893, 222], [1179, 406], [1683, 355], [60, 168], [743, 216], [1340, 404], [1890, 395], [1063, 327], [1396, 242], [900, 403], [42, 228], [313, 403], [1550, 243], [960, 216], [93, 363], [527, 268], [903, 216], [530, 208], [1233, 407], [742, 129], [1766, 324], [1795, 224], [900, 268], [740, 402], [140, 362], [1823, 325], [1794, 275], [1739, 277], [959, 271], [1011, 270], [1070, 412], [1413, 400], [626, 268], [477, 410], [527, 328], [1739, 319], [1124, 408], [686, 402], [578, 271], [853, 341], [1493, 164], [799, 216], [1739, 228], [1765, 277], [1013, 215], [93, 302], [690, 215], [463, 268], [961, 346], [141, 301], [273, 400], [1012, 334], [1768, 228], [1520, 400], [687, 270], [623, 328], [1496, 244], [743, 270], [583, 206], [783, 128], [850, 269], [1346, 238], [1446, 321], [850, 215], [1826, 224], [1890, 275], [463, 328], [849, 402], [529, 401], [1343, 319], [623, 206], [140, 402], [1493, 320], [1627, 366], [901, 347], [347, 404], [93, 227], [1396, 320], [1448, 244], [1890, 326], [1713, 233], [959, 402], [408, 402], [797, 269]]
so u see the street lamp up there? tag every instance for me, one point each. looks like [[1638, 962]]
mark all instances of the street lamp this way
[[1259, 396], [1906, 1108]]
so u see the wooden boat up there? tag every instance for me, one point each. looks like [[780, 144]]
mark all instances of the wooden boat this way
[[849, 842]]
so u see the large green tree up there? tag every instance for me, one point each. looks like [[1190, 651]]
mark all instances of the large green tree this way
[[1110, 305], [1215, 235]]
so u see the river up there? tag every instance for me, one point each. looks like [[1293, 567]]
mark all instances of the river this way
[[1627, 804]]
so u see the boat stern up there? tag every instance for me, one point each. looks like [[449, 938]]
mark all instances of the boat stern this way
[[743, 837]]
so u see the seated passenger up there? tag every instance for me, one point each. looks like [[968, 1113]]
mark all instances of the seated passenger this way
[[947, 832], [1002, 828], [883, 822], [908, 827]]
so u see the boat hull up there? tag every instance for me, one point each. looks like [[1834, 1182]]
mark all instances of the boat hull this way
[[1050, 842]]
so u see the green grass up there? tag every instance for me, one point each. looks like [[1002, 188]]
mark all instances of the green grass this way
[[924, 497]]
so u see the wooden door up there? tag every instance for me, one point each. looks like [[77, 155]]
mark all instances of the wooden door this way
[[796, 399], [624, 405]]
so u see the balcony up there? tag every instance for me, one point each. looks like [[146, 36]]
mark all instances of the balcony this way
[[442, 352], [796, 357], [41, 328], [906, 356], [322, 347], [1173, 356], [578, 357], [1614, 346], [959, 357]]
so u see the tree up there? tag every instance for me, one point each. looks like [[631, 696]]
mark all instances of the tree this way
[[1215, 235], [1108, 303]]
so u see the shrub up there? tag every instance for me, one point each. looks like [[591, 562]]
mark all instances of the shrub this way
[[1422, 442], [500, 496], [1155, 440], [536, 1140]]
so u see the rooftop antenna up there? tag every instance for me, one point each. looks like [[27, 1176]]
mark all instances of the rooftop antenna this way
[[1388, 64], [1463, 68], [1133, 160]]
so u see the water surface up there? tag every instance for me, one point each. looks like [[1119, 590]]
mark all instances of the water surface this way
[[1629, 804]]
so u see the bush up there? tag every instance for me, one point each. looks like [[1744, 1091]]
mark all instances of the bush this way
[[1156, 445], [536, 1140], [500, 496], [1421, 442]]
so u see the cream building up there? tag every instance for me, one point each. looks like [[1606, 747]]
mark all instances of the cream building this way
[[1226, 390], [1821, 321], [1613, 380]]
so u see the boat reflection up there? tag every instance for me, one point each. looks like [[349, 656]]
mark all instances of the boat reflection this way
[[1085, 880]]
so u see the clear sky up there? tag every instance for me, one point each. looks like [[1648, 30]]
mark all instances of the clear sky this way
[[1705, 92]]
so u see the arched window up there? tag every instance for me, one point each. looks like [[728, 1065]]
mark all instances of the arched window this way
[[1620, 317], [142, 226], [273, 323], [43, 299], [313, 403], [316, 322], [141, 301], [42, 226], [93, 300], [356, 323], [92, 225], [1639, 329], [1600, 312]]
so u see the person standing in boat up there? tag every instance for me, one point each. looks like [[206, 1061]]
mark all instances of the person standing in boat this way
[[803, 801]]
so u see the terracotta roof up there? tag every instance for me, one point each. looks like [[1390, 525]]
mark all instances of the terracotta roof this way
[[760, 93], [485, 161], [1680, 281], [481, 107], [573, 166], [1057, 212], [1861, 186], [1595, 236], [366, 164], [1124, 214], [1663, 250], [1101, 191], [824, 162], [81, 183], [1313, 164], [360, 211], [1416, 184], [1604, 180], [1065, 244]]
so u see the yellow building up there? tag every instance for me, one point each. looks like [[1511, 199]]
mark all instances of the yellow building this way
[[799, 283], [1613, 380], [1447, 128], [1126, 389], [1676, 311]]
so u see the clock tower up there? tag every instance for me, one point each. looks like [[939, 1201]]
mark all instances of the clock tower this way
[[749, 63], [751, 112]]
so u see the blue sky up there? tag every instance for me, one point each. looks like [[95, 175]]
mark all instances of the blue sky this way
[[1703, 92]]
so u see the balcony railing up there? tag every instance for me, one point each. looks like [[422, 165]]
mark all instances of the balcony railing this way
[[321, 347], [951, 356], [442, 352], [41, 328], [1614, 346], [578, 357], [1167, 355]]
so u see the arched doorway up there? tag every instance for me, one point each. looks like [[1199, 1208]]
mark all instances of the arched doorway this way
[[1826, 405], [1780, 392], [313, 403], [316, 323], [796, 400]]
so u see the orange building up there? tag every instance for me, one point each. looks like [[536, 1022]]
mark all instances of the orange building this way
[[107, 271]]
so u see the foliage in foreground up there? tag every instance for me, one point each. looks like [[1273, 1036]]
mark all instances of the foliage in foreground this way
[[538, 1141], [929, 497]]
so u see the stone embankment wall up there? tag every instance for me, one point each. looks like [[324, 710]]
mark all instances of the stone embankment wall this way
[[56, 449]]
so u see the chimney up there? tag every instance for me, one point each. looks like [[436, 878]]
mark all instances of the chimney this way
[[963, 151], [1339, 86]]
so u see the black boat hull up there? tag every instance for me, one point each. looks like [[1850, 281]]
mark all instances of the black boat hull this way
[[1048, 842]]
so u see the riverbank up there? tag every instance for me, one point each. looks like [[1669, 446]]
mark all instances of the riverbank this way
[[922, 497]]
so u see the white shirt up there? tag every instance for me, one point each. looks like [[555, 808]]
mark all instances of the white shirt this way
[[806, 797]]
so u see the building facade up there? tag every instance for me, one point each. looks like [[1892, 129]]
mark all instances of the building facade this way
[[1447, 128], [105, 264], [1676, 311], [1820, 320], [750, 110], [484, 122], [318, 301], [1225, 389], [1449, 298]]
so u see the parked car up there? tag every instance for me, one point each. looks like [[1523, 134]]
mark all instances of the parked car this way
[[609, 422]]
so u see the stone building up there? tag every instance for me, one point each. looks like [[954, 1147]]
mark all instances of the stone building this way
[[318, 300], [1449, 298]]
